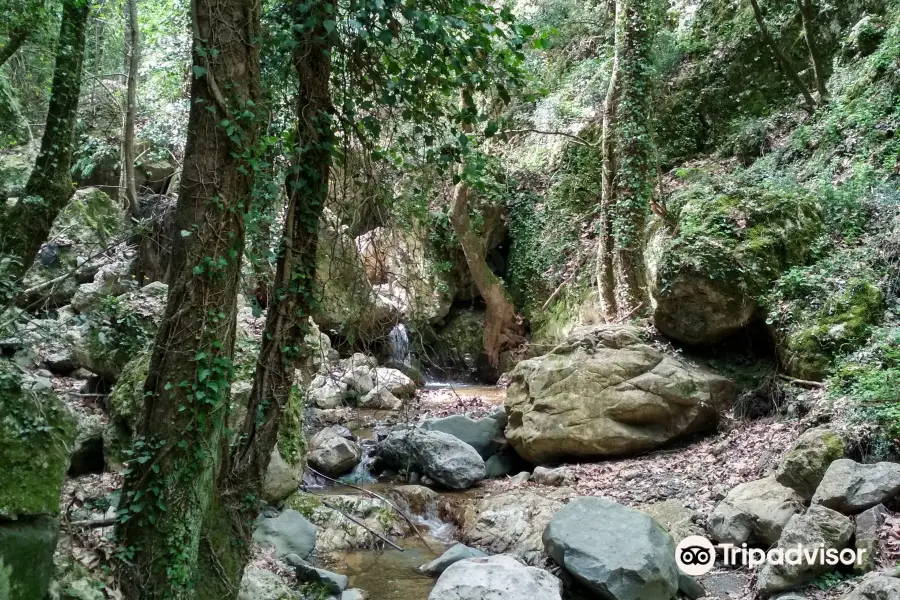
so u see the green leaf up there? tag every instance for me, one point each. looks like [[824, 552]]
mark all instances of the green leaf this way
[[199, 71], [329, 25], [185, 233]]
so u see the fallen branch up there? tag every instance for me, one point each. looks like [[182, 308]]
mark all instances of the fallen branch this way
[[581, 141], [802, 382], [363, 525], [382, 498], [91, 523]]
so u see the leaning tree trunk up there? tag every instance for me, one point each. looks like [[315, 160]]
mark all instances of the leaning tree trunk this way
[[25, 226], [132, 60], [808, 16], [171, 480], [634, 167], [228, 536], [502, 326], [780, 57]]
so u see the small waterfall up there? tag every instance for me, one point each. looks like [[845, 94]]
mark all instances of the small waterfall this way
[[362, 472], [399, 342]]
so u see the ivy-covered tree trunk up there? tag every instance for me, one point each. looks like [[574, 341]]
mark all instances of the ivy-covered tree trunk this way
[[132, 60], [170, 482], [25, 226], [502, 326], [228, 536], [627, 162]]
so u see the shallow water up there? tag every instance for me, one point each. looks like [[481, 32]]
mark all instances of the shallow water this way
[[390, 574]]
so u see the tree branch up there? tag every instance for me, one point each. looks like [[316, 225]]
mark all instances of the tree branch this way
[[581, 141]]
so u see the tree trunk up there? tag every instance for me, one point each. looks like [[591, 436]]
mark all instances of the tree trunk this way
[[634, 174], [502, 326], [786, 65], [16, 37], [171, 480], [606, 277], [287, 320], [25, 226], [808, 16], [132, 54]]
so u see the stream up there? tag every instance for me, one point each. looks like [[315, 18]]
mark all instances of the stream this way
[[386, 573]]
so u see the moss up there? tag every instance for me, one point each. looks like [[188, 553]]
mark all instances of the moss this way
[[291, 439], [126, 399], [824, 311], [36, 437], [26, 557], [304, 503]]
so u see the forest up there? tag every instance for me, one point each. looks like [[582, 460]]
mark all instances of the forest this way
[[449, 299]]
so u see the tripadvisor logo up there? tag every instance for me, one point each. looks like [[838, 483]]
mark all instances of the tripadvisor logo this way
[[696, 555]]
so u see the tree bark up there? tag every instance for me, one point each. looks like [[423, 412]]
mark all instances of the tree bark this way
[[170, 484], [16, 37], [287, 320], [132, 53], [808, 16], [606, 276], [782, 60], [26, 225], [634, 180], [502, 326]]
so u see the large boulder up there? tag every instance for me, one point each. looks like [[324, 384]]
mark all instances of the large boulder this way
[[83, 230], [606, 393], [393, 381], [458, 347], [619, 553], [485, 435], [805, 464], [495, 578], [117, 329], [446, 459], [850, 487], [673, 516], [36, 436], [820, 527], [326, 391], [288, 533], [733, 240], [754, 512], [511, 522], [333, 454]]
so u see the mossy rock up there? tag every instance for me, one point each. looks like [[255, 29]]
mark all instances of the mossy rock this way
[[458, 347], [733, 239], [804, 465], [821, 312], [304, 503], [37, 432], [26, 557]]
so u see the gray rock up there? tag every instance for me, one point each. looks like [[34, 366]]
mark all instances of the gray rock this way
[[868, 524], [675, 518], [520, 479], [381, 398], [393, 381], [550, 477], [26, 555], [754, 512], [87, 450], [510, 522], [288, 533], [333, 454], [495, 578], [260, 584], [485, 435], [353, 594], [690, 587], [334, 583], [805, 464], [440, 456], [725, 584], [282, 478], [850, 487], [456, 553], [819, 527], [605, 392], [359, 379], [617, 552], [875, 587], [326, 392], [500, 465]]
